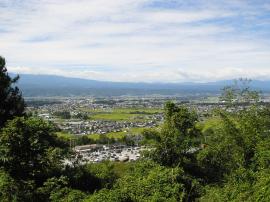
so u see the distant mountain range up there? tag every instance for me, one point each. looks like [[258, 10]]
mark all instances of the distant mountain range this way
[[50, 85]]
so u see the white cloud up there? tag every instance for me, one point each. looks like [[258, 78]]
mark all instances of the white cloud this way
[[161, 75], [135, 42]]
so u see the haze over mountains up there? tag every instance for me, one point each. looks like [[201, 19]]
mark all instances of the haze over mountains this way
[[50, 85]]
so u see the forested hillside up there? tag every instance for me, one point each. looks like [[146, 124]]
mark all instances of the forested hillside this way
[[51, 85]]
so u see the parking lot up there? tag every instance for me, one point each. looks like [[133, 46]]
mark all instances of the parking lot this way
[[98, 153]]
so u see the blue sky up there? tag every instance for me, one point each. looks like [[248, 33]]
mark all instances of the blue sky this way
[[137, 40]]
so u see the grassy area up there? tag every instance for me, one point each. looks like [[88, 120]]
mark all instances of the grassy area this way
[[85, 109], [113, 116], [211, 123], [117, 135], [123, 110], [121, 168], [138, 110], [65, 135], [121, 114]]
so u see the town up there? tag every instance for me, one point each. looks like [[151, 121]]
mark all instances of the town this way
[[115, 118]]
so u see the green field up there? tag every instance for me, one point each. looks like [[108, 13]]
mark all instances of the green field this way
[[65, 135], [121, 114], [118, 135], [138, 110], [123, 110], [113, 116]]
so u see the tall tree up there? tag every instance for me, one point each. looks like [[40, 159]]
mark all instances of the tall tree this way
[[29, 149], [11, 101], [179, 137]]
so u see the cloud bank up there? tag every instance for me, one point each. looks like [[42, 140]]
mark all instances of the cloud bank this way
[[137, 40]]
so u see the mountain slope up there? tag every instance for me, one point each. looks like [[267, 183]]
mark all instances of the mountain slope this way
[[50, 85]]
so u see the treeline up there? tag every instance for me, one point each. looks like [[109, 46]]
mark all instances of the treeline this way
[[225, 158]]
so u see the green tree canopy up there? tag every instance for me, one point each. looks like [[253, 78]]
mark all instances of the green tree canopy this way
[[145, 181], [29, 148], [11, 101], [179, 137]]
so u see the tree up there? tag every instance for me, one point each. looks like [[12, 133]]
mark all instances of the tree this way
[[13, 190], [11, 101], [29, 149], [239, 92], [57, 189], [236, 159], [145, 181], [8, 188], [178, 137], [67, 194]]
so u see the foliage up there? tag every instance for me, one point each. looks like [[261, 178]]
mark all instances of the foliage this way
[[57, 190], [178, 137], [243, 137], [29, 148], [244, 185], [9, 189], [67, 194], [239, 92], [104, 172], [11, 102], [145, 181], [151, 136], [236, 158], [50, 186]]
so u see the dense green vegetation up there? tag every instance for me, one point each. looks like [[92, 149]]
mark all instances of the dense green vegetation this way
[[11, 101], [224, 158]]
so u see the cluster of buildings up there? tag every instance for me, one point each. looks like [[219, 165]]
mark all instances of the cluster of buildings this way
[[102, 126], [91, 105], [98, 153], [73, 104]]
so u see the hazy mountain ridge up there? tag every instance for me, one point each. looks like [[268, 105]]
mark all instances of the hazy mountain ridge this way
[[51, 85]]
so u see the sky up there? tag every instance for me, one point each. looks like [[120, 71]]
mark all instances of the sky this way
[[137, 40]]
